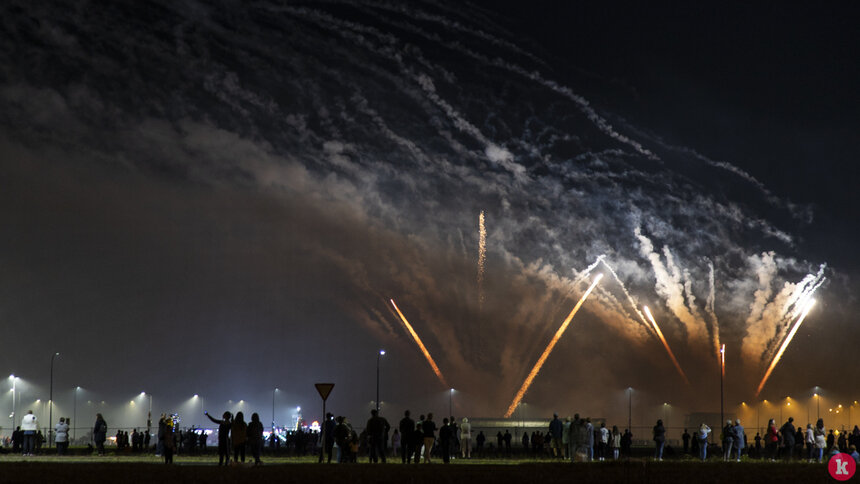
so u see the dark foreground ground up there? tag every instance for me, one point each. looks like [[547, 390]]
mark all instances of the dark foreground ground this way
[[543, 473]]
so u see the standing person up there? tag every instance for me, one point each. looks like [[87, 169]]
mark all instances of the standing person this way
[[466, 439], [223, 436], [165, 435], [589, 440], [100, 433], [740, 441], [341, 439], [770, 440], [508, 438], [407, 428], [61, 436], [616, 442], [17, 439], [255, 438], [395, 443], [428, 427], [788, 432], [445, 432], [479, 443], [728, 435], [603, 446], [810, 442], [29, 427], [659, 440], [328, 438], [565, 437], [580, 439], [239, 436], [627, 443], [556, 427], [685, 437], [820, 441], [159, 435], [702, 437], [377, 427]]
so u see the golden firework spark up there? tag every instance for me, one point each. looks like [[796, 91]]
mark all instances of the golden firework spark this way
[[528, 381], [420, 345], [665, 344], [784, 345]]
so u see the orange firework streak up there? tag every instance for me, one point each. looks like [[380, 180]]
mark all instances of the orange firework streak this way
[[784, 346], [527, 383], [420, 344], [665, 344]]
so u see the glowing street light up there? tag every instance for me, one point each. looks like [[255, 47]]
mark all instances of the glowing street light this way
[[451, 403]]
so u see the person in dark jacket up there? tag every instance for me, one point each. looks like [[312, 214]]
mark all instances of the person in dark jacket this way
[[728, 440], [407, 447], [165, 435], [788, 432], [341, 439], [328, 437], [100, 433], [428, 427], [255, 438], [445, 441], [659, 440], [377, 429], [223, 437], [555, 429], [239, 437]]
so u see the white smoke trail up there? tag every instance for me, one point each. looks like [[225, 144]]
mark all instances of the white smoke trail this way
[[710, 310], [630, 298], [670, 287], [770, 321]]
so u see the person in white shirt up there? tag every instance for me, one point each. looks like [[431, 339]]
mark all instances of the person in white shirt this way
[[29, 426], [466, 439]]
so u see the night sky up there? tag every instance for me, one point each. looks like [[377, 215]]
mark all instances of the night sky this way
[[220, 199]]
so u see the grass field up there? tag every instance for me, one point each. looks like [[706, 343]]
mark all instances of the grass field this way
[[148, 469]]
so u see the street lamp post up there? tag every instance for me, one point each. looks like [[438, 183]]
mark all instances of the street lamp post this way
[[817, 405], [51, 401], [451, 403], [630, 409], [75, 414], [722, 378], [12, 415], [378, 357], [273, 409]]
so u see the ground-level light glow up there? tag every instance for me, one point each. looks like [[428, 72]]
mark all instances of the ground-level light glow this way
[[528, 381]]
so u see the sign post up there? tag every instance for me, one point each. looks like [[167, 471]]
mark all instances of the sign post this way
[[324, 390]]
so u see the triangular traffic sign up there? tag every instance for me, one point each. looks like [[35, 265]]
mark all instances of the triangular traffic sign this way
[[324, 389]]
